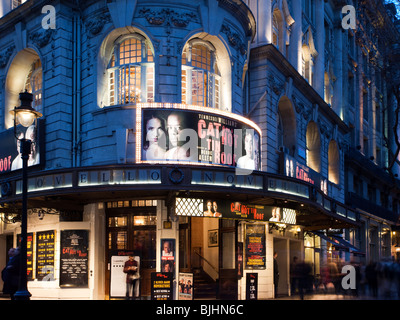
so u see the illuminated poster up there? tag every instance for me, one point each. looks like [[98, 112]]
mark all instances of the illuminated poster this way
[[192, 135], [290, 167], [74, 258], [218, 208], [161, 286], [185, 286], [29, 254], [10, 156], [251, 286], [45, 242], [255, 246], [168, 255]]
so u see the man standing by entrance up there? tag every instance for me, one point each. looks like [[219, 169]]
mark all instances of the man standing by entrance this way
[[131, 268], [276, 275]]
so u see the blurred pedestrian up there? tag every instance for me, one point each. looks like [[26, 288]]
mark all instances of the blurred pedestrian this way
[[334, 274], [303, 271], [10, 274], [293, 276], [372, 279]]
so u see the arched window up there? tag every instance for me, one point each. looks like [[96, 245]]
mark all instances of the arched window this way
[[201, 79], [24, 73], [313, 147], [34, 84], [333, 162], [275, 31], [287, 126], [131, 72]]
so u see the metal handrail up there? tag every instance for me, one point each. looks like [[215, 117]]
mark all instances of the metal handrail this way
[[215, 269]]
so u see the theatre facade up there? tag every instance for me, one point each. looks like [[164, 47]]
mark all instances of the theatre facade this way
[[167, 136]]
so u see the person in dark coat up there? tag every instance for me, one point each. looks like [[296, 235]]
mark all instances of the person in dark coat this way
[[276, 274], [10, 274]]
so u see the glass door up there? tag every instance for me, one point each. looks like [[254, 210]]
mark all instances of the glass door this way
[[228, 282], [132, 231]]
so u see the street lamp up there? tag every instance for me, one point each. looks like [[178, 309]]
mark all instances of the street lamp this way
[[26, 116]]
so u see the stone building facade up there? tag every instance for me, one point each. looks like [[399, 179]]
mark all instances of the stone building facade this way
[[107, 75]]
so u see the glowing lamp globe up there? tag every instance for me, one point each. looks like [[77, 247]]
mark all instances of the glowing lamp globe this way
[[25, 114]]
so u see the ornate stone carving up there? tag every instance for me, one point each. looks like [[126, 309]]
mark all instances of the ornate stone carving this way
[[169, 17], [277, 86], [42, 38], [96, 24], [5, 55], [234, 39]]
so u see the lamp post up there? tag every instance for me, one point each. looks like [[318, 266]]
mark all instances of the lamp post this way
[[26, 116]]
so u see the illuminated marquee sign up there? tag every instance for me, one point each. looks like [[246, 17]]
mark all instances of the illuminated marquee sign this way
[[290, 167], [217, 208], [196, 135]]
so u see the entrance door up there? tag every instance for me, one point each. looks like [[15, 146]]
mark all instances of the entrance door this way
[[281, 248], [228, 282], [133, 231]]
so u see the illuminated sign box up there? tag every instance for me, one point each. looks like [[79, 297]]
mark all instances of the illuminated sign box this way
[[290, 167], [186, 134], [217, 208]]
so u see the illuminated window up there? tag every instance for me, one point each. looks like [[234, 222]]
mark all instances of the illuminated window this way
[[275, 31], [131, 72], [16, 3], [34, 84], [313, 140], [333, 162], [200, 75]]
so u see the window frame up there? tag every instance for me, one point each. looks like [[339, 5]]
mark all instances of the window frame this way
[[116, 71], [211, 78]]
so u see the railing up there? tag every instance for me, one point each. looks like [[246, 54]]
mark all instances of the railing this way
[[209, 263]]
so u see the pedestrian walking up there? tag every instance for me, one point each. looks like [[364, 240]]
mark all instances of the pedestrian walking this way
[[10, 274]]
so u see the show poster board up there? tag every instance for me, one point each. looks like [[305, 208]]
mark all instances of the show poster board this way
[[45, 245], [185, 290], [255, 246], [29, 254], [118, 277], [161, 286], [74, 258]]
